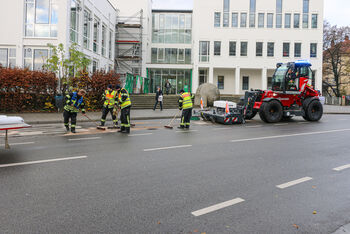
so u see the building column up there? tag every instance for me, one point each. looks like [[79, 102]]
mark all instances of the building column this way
[[264, 78], [237, 81], [195, 79], [211, 75]]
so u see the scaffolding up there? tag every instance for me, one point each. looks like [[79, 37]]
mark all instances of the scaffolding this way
[[129, 34]]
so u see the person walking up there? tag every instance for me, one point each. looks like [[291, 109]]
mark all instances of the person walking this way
[[159, 98], [109, 97], [167, 87], [186, 105], [125, 106], [74, 102]]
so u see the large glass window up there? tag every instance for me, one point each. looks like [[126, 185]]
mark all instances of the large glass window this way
[[233, 46], [104, 43], [270, 20], [278, 13], [221, 82], [313, 50], [270, 49], [305, 13], [297, 50], [252, 10], [287, 20], [234, 20], [8, 57], [296, 20], [245, 83], [41, 18], [226, 19], [243, 20], [203, 77], [217, 48], [204, 51], [87, 29], [40, 58], [110, 47], [74, 21], [286, 49], [244, 48], [305, 6], [314, 21], [217, 19], [96, 41], [261, 19], [3, 57], [259, 49]]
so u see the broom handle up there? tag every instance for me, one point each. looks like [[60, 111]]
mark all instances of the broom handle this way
[[90, 119], [174, 118]]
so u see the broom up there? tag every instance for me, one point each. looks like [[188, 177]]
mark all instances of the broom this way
[[169, 126], [97, 126]]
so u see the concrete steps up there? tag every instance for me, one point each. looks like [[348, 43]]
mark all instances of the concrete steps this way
[[147, 101]]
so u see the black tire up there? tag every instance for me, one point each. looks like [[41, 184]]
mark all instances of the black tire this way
[[271, 112], [251, 116], [314, 111]]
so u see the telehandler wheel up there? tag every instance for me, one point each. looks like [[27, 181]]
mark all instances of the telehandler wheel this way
[[271, 112], [314, 111]]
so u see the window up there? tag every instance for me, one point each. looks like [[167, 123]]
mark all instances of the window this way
[[270, 49], [270, 20], [261, 19], [96, 35], [35, 58], [259, 49], [287, 20], [217, 48], [314, 21], [161, 54], [313, 50], [41, 18], [203, 77], [306, 13], [243, 20], [188, 56], [181, 55], [104, 40], [252, 11], [87, 29], [217, 18], [234, 20], [269, 83], [94, 65], [233, 48], [245, 83], [305, 20], [278, 13], [296, 20], [110, 47], [244, 48], [154, 54], [8, 57], [305, 6], [204, 51], [286, 49], [297, 50], [226, 20], [74, 21], [221, 82]]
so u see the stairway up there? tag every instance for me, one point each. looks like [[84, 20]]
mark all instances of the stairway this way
[[147, 101]]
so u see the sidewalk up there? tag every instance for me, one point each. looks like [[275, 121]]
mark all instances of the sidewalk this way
[[49, 118]]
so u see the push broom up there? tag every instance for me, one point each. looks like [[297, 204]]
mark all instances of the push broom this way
[[169, 126]]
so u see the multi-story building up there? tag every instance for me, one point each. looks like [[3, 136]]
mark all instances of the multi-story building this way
[[238, 43], [28, 26]]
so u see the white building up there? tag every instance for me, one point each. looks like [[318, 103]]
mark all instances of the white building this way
[[238, 43], [29, 25]]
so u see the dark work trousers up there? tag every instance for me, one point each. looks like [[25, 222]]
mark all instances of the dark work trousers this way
[[105, 112], [160, 103], [186, 118], [72, 116], [125, 119]]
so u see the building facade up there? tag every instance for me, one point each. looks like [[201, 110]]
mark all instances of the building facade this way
[[238, 43], [30, 25]]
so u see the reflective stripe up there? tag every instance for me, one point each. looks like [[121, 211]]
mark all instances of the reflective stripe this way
[[110, 98], [187, 101], [127, 101]]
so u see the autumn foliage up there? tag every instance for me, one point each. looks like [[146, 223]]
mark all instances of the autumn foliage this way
[[22, 90]]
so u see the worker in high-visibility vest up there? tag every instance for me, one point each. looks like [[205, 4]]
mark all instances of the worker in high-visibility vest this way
[[74, 103], [186, 105], [109, 98], [125, 106]]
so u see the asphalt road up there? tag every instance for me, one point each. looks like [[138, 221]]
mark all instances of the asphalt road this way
[[292, 177]]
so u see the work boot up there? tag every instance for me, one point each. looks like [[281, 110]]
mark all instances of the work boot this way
[[73, 130], [67, 128], [127, 130], [122, 129], [181, 127], [102, 124]]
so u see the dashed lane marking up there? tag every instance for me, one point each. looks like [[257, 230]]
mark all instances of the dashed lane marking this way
[[41, 161], [22, 143], [169, 147], [294, 182], [254, 126], [217, 207], [185, 131], [83, 139], [342, 167], [141, 134], [290, 135]]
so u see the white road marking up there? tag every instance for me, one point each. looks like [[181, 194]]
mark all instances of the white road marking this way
[[290, 135], [294, 182], [254, 126], [303, 122], [141, 134], [83, 139], [21, 143], [41, 161], [223, 128], [281, 124], [342, 167], [170, 147], [217, 207], [31, 133], [184, 131]]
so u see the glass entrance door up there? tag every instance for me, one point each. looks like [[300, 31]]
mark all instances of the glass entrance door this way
[[172, 80]]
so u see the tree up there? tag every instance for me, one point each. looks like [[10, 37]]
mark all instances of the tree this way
[[65, 66], [334, 60]]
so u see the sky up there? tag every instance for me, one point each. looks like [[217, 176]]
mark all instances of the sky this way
[[336, 11]]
